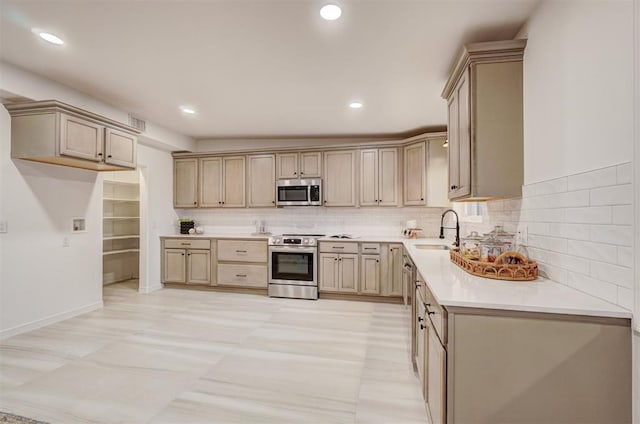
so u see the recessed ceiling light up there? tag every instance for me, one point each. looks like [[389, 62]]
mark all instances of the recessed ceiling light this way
[[355, 105], [51, 38], [330, 12], [188, 109]]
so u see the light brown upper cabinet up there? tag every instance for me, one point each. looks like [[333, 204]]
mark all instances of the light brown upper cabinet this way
[[185, 183], [340, 178], [415, 186], [222, 182], [57, 133], [261, 171], [299, 165], [379, 180], [437, 164], [484, 98]]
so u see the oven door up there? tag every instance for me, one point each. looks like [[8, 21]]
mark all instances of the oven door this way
[[293, 265]]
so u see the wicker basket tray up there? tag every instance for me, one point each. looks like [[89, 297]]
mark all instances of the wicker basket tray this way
[[526, 270]]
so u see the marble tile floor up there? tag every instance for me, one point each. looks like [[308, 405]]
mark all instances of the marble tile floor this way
[[184, 356]]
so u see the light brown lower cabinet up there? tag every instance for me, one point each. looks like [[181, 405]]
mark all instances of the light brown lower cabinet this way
[[487, 366], [186, 261], [338, 272], [370, 278], [242, 263]]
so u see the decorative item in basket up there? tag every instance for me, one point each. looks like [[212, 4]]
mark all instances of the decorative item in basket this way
[[509, 265]]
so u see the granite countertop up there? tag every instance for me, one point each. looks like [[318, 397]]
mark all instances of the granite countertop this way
[[452, 286]]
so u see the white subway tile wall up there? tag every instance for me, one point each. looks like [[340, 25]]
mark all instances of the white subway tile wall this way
[[578, 228], [356, 221]]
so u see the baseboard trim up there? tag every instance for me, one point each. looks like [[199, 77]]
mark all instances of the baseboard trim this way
[[51, 319], [147, 290]]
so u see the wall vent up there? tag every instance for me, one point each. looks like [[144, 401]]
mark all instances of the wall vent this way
[[137, 123]]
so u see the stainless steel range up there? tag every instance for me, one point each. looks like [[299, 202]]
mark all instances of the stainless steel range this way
[[293, 266]]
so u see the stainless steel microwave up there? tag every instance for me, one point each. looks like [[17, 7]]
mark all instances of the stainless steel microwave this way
[[299, 192]]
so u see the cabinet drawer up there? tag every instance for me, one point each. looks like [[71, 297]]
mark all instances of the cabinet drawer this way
[[187, 244], [370, 248], [333, 247], [242, 275], [437, 315], [242, 251]]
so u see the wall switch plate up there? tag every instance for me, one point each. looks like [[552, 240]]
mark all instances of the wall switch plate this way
[[4, 226]]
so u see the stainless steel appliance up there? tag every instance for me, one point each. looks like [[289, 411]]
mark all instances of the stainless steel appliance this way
[[293, 266], [299, 192]]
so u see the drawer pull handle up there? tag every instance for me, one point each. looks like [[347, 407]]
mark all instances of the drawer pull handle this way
[[337, 247], [431, 313], [241, 275], [185, 244], [370, 248], [241, 251], [420, 319]]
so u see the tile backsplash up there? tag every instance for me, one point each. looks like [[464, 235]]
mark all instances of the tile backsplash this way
[[578, 228], [356, 221]]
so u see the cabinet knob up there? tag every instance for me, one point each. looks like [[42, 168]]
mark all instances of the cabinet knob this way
[[182, 254], [420, 319], [188, 254], [295, 173], [195, 203], [335, 259], [422, 327], [301, 173], [422, 198], [325, 201], [431, 313], [109, 156], [377, 260]]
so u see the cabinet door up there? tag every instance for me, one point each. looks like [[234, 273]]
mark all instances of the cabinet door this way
[[262, 177], [174, 266], [370, 277], [340, 178], [120, 148], [348, 273], [185, 183], [328, 280], [436, 379], [310, 164], [369, 177], [437, 165], [80, 138], [394, 276], [422, 339], [414, 174], [234, 182], [198, 266], [464, 138], [287, 165], [211, 182], [454, 146], [388, 177]]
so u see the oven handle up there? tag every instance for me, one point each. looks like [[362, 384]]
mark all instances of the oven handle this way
[[292, 249]]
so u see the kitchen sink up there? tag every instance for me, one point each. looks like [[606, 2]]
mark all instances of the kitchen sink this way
[[432, 246]]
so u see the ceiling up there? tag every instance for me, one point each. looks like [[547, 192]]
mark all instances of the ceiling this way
[[259, 68]]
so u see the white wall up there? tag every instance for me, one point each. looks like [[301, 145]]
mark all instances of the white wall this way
[[578, 72], [157, 171], [41, 281]]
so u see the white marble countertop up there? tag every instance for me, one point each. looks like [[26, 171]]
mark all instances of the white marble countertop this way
[[452, 286], [219, 236]]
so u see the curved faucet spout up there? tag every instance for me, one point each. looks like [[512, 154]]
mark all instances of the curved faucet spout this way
[[457, 227]]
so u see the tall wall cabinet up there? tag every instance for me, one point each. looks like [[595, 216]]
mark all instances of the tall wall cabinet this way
[[484, 98], [121, 227]]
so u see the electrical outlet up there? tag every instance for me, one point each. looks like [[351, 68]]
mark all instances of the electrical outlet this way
[[523, 235], [4, 226], [66, 242]]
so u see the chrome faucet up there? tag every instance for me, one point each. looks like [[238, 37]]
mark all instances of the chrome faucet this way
[[457, 227]]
